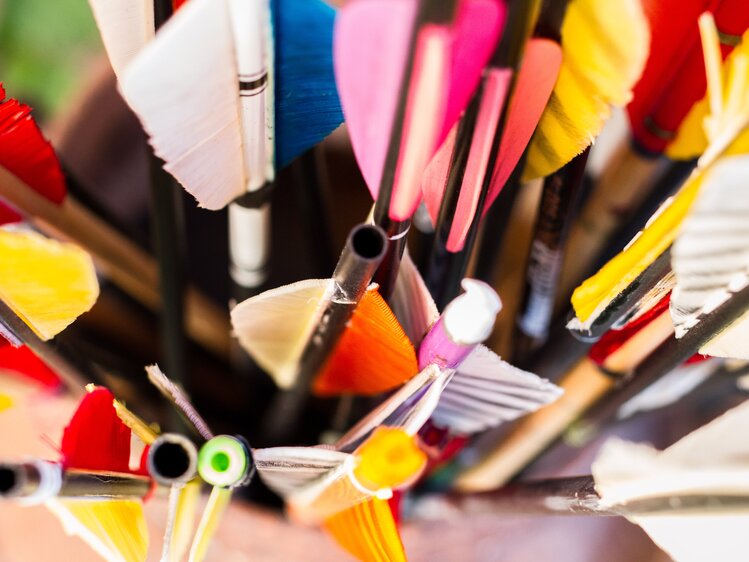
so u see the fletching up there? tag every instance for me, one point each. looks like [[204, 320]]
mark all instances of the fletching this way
[[657, 113], [307, 104], [412, 303], [46, 283], [218, 501], [286, 470], [125, 27], [595, 293], [604, 52], [485, 392], [535, 84], [116, 530], [692, 138], [711, 255], [26, 153], [708, 461], [368, 532], [197, 131], [371, 42], [96, 439], [274, 326], [22, 360], [8, 215], [373, 355]]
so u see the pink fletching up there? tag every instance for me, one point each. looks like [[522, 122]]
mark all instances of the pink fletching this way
[[478, 27], [532, 91], [481, 147], [370, 43]]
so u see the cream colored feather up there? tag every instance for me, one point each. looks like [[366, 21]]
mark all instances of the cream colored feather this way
[[125, 27], [274, 327]]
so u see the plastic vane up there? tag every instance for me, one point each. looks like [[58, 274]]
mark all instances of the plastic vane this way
[[371, 51]]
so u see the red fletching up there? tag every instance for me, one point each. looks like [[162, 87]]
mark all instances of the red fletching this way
[[26, 153], [96, 439], [22, 361], [177, 4], [674, 76], [8, 215]]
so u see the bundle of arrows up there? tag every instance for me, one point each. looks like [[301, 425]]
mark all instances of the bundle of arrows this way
[[187, 373]]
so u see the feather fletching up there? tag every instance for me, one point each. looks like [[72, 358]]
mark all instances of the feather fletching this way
[[46, 283], [711, 460], [26, 153], [373, 355], [605, 46]]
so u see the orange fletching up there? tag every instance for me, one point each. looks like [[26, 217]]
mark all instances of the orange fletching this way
[[368, 532], [373, 355]]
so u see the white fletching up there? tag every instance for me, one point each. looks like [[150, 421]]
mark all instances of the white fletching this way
[[184, 88], [286, 470], [712, 460], [125, 27], [710, 258], [486, 392]]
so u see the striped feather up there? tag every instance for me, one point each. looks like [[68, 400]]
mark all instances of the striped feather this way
[[605, 46]]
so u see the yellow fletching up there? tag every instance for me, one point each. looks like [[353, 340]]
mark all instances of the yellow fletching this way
[[47, 283], [368, 532], [116, 530], [605, 46], [691, 140], [692, 137], [597, 291], [184, 522], [214, 509]]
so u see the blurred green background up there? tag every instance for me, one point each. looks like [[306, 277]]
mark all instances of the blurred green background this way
[[47, 47]]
